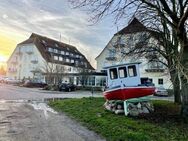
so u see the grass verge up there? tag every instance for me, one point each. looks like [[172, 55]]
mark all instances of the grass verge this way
[[163, 125]]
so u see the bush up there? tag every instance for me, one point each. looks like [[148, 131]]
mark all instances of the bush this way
[[51, 88]]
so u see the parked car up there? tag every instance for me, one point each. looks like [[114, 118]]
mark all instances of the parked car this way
[[161, 91], [34, 83], [2, 79], [67, 87], [8, 80]]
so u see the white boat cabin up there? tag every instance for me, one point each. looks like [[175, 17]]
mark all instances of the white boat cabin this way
[[123, 75]]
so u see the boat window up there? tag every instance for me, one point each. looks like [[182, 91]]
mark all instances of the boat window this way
[[122, 72], [113, 73], [132, 71]]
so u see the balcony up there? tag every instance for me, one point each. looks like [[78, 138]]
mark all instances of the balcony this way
[[34, 61], [152, 55], [29, 52], [111, 58], [155, 69], [12, 70]]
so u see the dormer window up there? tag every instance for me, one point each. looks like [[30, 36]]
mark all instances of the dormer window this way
[[62, 52], [55, 51], [68, 48], [67, 53], [50, 49], [85, 64], [56, 45], [43, 41]]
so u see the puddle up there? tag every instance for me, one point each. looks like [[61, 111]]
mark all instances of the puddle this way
[[44, 107]]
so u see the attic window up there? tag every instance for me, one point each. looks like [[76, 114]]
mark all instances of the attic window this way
[[67, 53], [62, 52], [75, 50], [43, 41], [50, 49], [56, 45], [55, 51], [85, 64], [68, 48]]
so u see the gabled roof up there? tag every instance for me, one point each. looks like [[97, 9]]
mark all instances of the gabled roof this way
[[134, 26], [43, 43]]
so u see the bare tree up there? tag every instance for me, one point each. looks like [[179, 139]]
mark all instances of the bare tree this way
[[173, 13], [53, 72], [83, 75]]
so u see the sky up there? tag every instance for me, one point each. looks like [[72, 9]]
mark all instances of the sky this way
[[20, 18]]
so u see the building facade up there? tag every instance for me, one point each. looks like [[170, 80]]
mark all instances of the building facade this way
[[118, 50], [47, 60]]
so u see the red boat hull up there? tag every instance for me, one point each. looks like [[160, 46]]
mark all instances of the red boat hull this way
[[128, 92]]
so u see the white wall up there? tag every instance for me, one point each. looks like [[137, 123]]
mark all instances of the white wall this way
[[102, 62]]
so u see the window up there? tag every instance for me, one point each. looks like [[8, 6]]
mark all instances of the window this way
[[62, 52], [150, 80], [112, 52], [56, 45], [122, 72], [67, 60], [71, 54], [50, 49], [55, 57], [113, 73], [55, 51], [132, 71], [91, 81], [160, 81], [43, 41], [76, 62], [67, 53], [72, 61], [85, 64], [60, 58]]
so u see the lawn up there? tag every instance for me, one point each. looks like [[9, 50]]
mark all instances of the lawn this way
[[163, 125]]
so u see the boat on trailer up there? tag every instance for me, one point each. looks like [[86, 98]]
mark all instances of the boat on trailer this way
[[124, 82]]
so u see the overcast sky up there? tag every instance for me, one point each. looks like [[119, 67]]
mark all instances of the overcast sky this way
[[20, 18]]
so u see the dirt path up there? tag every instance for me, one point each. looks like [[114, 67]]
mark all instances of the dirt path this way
[[22, 121]]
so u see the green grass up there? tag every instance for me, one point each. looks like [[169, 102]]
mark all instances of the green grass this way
[[90, 112]]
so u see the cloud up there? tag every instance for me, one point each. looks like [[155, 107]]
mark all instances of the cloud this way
[[4, 16], [52, 18]]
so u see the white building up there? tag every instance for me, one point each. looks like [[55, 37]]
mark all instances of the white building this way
[[42, 58], [122, 42]]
